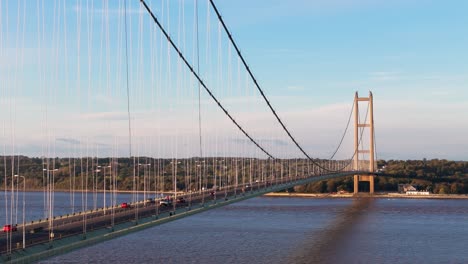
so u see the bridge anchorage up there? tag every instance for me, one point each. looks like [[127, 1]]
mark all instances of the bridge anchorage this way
[[364, 155]]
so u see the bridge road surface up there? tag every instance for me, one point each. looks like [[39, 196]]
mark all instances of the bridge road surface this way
[[64, 226], [38, 232]]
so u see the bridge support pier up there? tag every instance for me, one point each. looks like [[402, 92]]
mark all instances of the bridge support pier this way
[[359, 164], [360, 178]]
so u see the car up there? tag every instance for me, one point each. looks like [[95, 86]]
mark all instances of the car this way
[[181, 200], [124, 205], [9, 228], [165, 202], [149, 201], [36, 229]]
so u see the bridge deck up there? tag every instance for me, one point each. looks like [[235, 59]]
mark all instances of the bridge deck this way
[[69, 230]]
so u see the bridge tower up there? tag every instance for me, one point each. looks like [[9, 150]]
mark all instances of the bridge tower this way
[[359, 165]]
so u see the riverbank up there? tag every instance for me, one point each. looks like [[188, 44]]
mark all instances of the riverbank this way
[[303, 195], [98, 191], [376, 195]]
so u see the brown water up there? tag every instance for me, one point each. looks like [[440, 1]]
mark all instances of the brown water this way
[[299, 230]]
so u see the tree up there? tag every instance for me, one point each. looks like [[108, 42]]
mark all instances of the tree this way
[[443, 190], [331, 186], [299, 188], [455, 188]]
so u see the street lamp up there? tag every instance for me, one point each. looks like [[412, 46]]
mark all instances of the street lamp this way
[[104, 179], [174, 171], [199, 184], [226, 182], [217, 185], [51, 201], [24, 189]]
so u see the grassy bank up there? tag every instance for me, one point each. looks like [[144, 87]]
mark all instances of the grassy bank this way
[[376, 195]]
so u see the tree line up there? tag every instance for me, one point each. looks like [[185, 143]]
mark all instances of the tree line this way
[[435, 175], [438, 176]]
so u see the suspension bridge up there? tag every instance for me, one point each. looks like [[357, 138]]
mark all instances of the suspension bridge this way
[[150, 97]]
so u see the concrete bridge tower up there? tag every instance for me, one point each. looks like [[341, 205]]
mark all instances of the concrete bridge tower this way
[[360, 165]]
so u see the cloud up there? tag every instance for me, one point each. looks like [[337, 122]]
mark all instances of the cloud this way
[[275, 142], [440, 93], [69, 140], [293, 88], [104, 116]]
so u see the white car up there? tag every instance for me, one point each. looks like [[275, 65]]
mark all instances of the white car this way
[[165, 202]]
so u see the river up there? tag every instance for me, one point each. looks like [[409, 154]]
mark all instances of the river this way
[[299, 230]]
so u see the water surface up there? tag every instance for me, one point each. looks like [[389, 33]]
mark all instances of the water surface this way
[[299, 230]]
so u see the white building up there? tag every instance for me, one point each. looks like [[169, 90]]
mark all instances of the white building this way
[[417, 193]]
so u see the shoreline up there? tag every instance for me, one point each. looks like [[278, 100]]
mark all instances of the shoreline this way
[[299, 195], [98, 191], [376, 195]]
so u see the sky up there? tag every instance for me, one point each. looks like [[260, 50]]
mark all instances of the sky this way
[[411, 54], [64, 76]]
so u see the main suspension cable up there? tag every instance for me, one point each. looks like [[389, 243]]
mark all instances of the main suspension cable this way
[[260, 89], [266, 99], [344, 133], [181, 56]]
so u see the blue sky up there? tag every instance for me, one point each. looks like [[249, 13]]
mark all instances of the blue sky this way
[[309, 57], [411, 54]]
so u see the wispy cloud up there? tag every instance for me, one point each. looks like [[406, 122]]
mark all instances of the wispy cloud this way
[[69, 140], [294, 88], [440, 93], [104, 116], [275, 142]]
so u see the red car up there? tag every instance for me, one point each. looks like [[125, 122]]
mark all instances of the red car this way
[[9, 228], [125, 205]]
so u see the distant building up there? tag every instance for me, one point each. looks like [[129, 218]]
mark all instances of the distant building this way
[[403, 188], [417, 193]]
